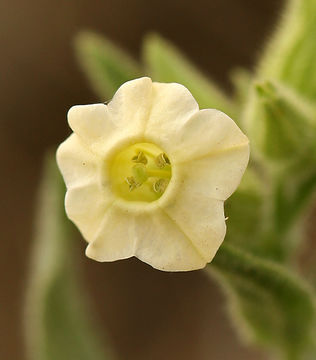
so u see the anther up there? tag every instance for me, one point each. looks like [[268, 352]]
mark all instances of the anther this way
[[131, 183], [160, 185], [162, 160], [140, 158]]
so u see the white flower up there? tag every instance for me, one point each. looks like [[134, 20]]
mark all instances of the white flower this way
[[147, 175]]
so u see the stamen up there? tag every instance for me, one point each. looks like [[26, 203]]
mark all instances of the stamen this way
[[131, 183], [141, 172], [160, 185], [162, 160], [140, 158]]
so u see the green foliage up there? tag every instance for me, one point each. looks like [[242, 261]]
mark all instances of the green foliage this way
[[166, 64], [290, 56], [57, 325], [242, 82], [244, 210], [292, 195], [280, 122], [280, 118], [106, 66], [270, 305]]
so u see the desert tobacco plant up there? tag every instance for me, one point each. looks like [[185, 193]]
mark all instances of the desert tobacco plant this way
[[271, 304]]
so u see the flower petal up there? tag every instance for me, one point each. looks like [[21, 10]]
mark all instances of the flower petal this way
[[217, 175], [172, 106], [101, 126], [115, 238], [162, 244], [86, 207], [130, 106], [78, 165], [206, 132], [153, 238], [200, 217], [90, 122]]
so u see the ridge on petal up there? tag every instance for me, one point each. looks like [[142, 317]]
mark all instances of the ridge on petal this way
[[207, 228], [115, 238], [130, 106], [164, 246], [216, 176], [172, 106], [215, 132]]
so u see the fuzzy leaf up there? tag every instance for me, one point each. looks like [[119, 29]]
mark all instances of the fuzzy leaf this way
[[106, 66], [166, 64], [242, 82], [270, 305], [291, 54], [280, 122], [293, 194], [56, 324], [244, 210]]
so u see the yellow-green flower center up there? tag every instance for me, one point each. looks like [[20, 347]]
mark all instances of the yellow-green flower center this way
[[140, 172]]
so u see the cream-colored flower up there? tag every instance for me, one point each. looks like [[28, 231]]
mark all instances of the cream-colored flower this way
[[147, 175]]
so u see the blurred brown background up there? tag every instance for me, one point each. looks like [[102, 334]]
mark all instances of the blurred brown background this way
[[148, 314]]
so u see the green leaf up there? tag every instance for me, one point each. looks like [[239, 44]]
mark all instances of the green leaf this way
[[244, 210], [242, 82], [280, 122], [166, 64], [56, 322], [295, 190], [291, 54], [106, 66], [271, 306]]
